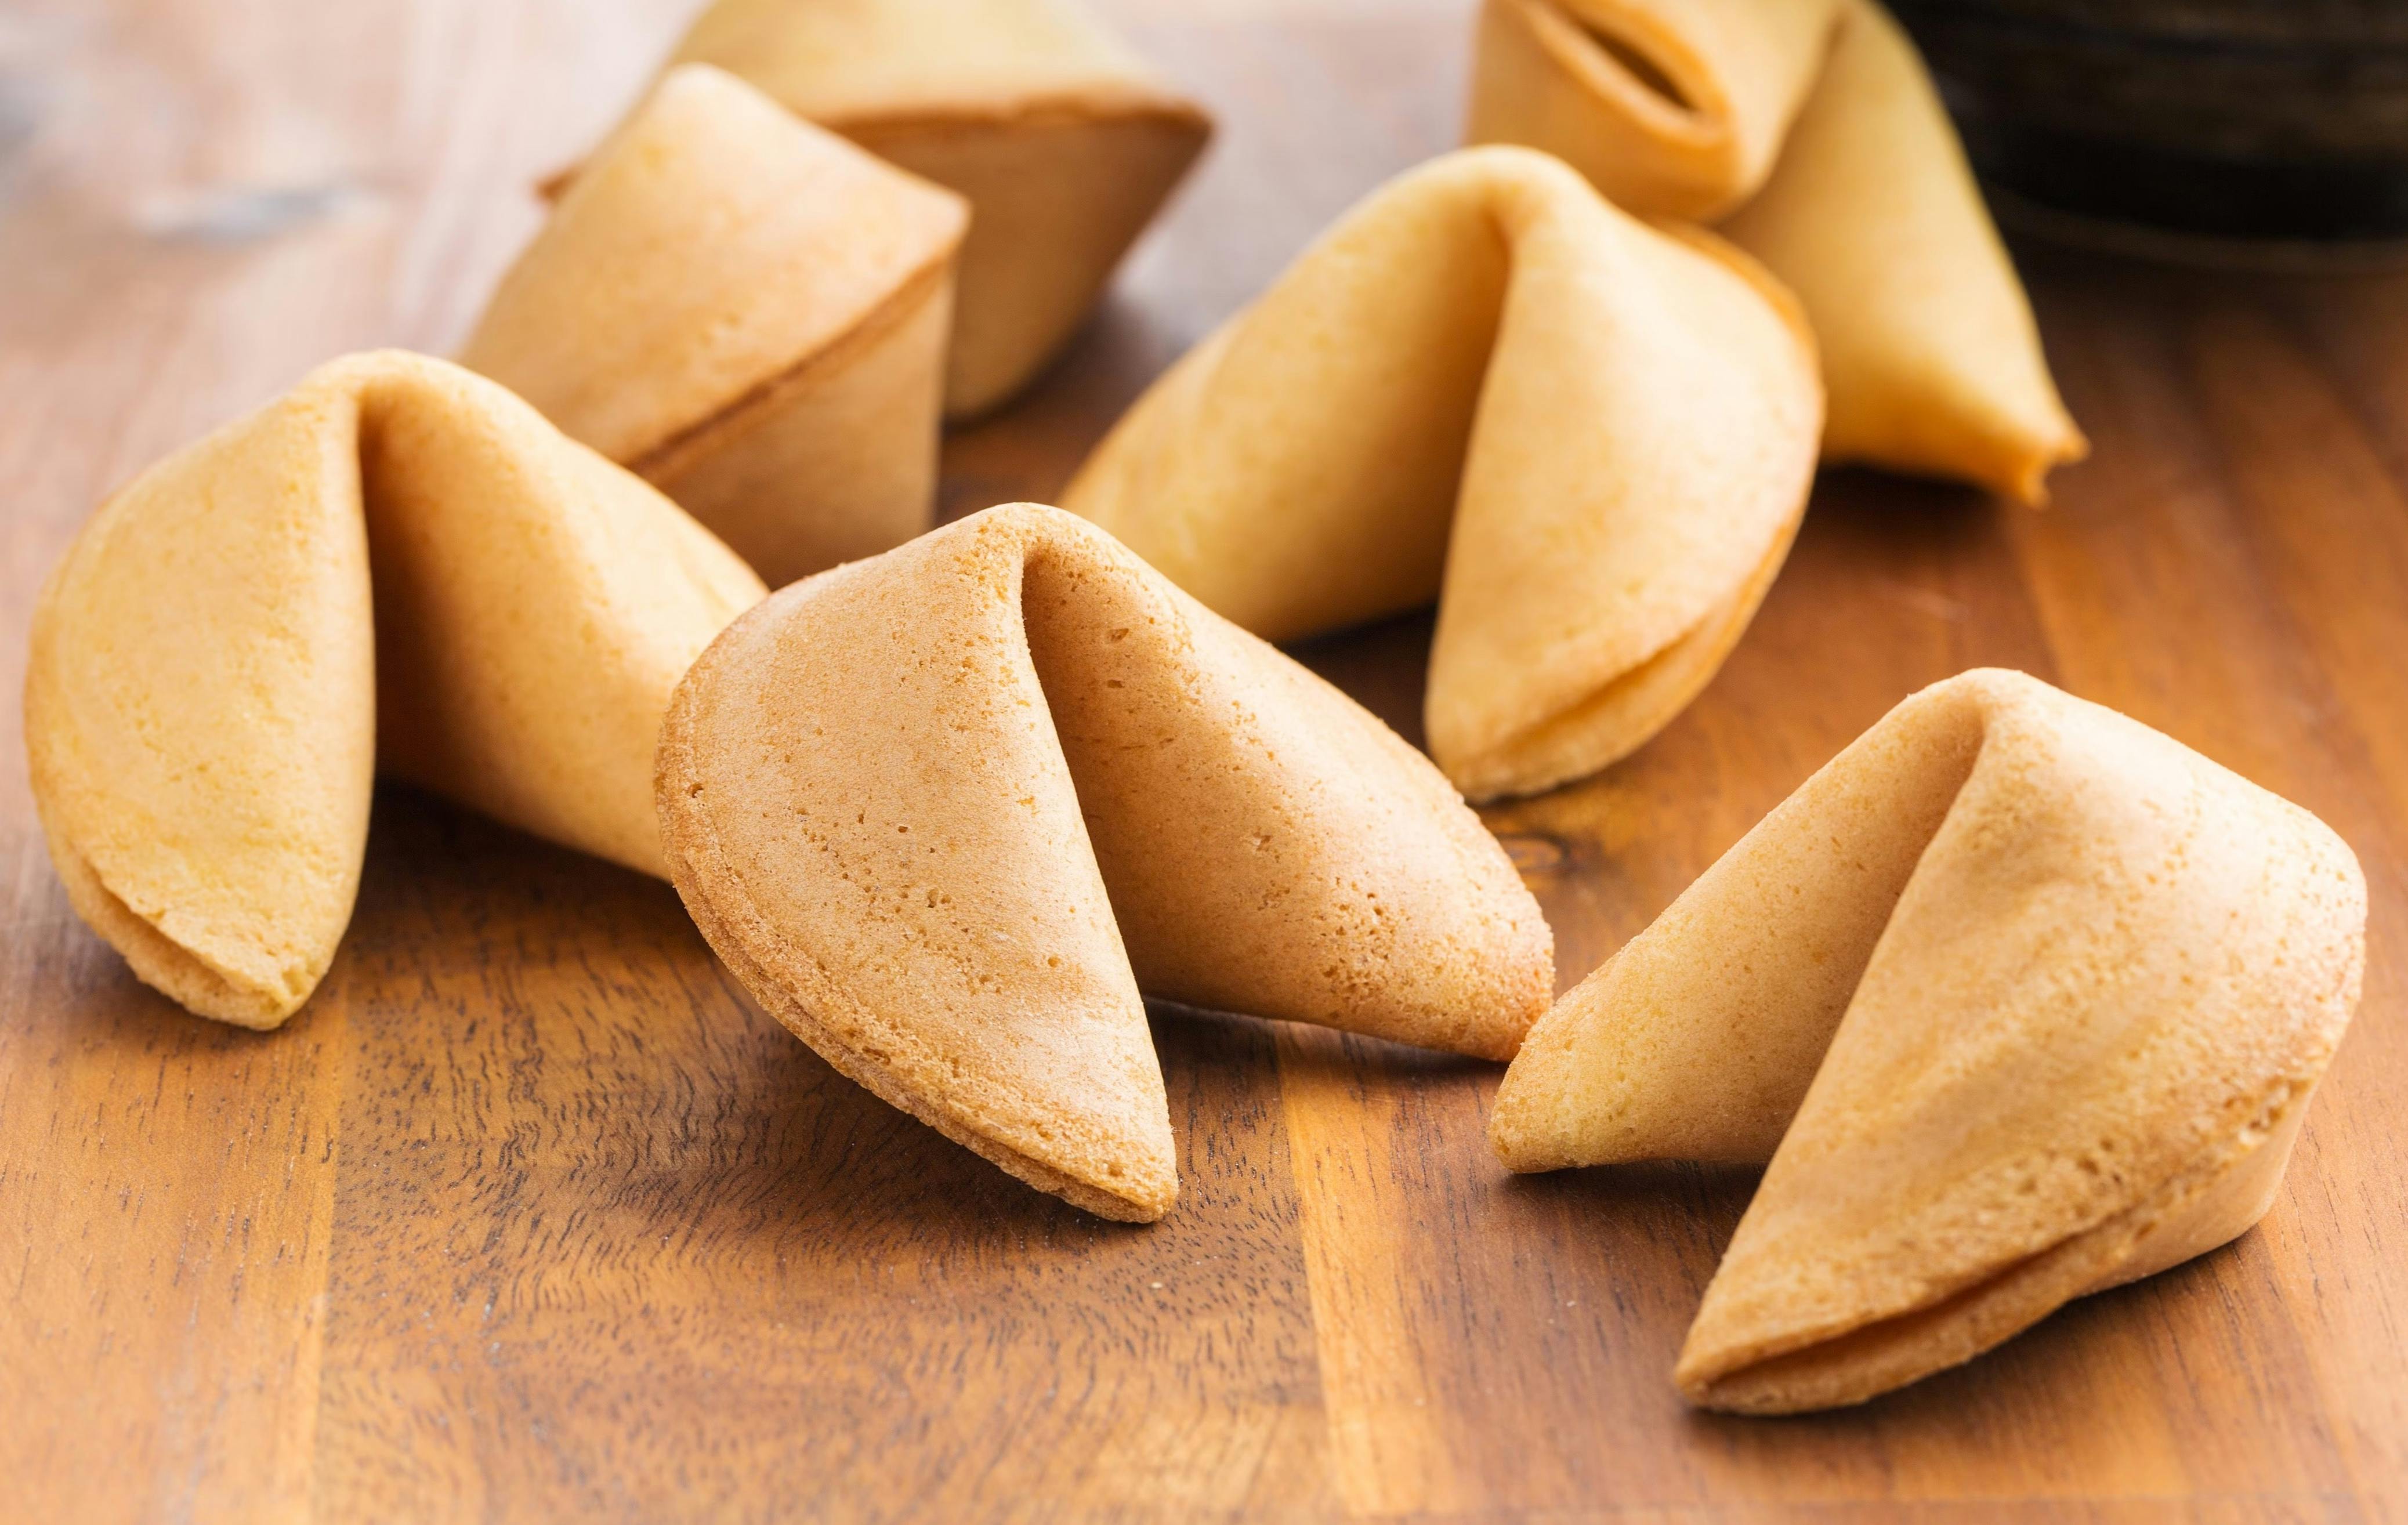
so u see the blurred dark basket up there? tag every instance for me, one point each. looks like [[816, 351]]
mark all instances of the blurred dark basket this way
[[2257, 131]]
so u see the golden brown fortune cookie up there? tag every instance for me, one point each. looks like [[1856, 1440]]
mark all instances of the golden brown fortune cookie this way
[[1811, 126], [747, 312], [2021, 998], [1063, 141], [947, 811], [1589, 438], [1930, 349], [209, 694], [1670, 107]]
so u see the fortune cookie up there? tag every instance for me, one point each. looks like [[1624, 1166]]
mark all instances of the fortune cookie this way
[[747, 312], [1671, 107], [1065, 143], [207, 693], [2021, 998], [1591, 440], [1813, 126], [945, 811]]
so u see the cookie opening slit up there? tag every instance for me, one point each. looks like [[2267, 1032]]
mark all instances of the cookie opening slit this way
[[1626, 53]]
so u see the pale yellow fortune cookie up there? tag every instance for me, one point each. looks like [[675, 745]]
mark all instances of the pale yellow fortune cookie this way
[[1065, 142], [947, 811], [751, 314], [1589, 439], [1812, 125], [2021, 998], [399, 564]]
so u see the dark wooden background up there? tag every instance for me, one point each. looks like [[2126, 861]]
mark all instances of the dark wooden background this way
[[530, 1215]]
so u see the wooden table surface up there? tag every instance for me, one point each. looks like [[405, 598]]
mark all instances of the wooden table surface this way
[[531, 1214]]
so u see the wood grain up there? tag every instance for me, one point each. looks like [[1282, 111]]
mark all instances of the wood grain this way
[[530, 1214]]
